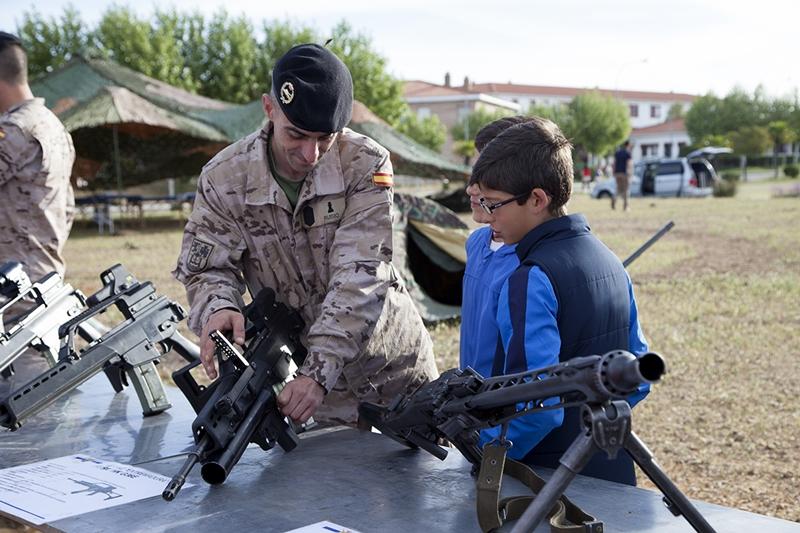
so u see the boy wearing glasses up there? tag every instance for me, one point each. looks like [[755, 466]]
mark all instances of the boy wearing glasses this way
[[570, 295]]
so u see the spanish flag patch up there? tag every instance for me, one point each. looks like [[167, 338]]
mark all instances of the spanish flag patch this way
[[383, 179]]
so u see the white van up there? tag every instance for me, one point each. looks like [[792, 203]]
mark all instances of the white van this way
[[665, 177]]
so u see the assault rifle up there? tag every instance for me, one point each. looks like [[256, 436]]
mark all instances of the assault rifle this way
[[127, 353], [461, 402], [240, 406], [48, 303]]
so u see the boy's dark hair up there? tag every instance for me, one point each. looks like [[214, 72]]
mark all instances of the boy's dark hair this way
[[495, 128], [13, 60], [532, 154]]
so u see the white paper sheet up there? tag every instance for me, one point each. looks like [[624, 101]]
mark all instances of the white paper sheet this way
[[47, 491], [323, 527]]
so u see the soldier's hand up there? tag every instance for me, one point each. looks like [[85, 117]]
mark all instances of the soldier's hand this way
[[300, 398], [224, 320]]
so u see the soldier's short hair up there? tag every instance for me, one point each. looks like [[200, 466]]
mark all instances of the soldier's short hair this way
[[13, 60], [494, 128], [532, 154]]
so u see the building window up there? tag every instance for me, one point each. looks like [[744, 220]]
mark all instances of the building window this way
[[649, 150], [667, 149], [655, 111], [634, 108], [423, 113]]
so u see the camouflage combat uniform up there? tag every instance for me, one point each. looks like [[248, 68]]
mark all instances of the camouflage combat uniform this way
[[37, 203], [330, 258]]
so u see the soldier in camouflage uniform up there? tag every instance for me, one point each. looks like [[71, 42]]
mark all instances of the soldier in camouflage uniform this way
[[304, 206], [36, 157]]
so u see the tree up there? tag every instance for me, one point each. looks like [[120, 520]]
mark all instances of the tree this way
[[559, 113], [428, 131], [51, 43], [598, 123], [781, 134], [465, 149], [372, 84], [702, 119], [676, 111], [230, 59], [279, 37], [469, 126], [751, 140]]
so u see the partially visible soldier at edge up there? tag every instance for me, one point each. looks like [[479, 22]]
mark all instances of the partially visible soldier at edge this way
[[304, 206], [36, 157]]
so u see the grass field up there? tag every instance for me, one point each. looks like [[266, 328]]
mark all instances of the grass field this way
[[719, 298]]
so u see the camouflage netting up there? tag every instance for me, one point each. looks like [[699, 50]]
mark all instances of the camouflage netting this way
[[164, 131]]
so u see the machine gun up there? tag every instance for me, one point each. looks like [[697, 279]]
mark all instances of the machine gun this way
[[240, 406], [461, 402], [126, 353], [50, 302]]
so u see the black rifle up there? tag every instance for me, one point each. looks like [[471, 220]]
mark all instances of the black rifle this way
[[127, 352], [461, 402], [240, 406]]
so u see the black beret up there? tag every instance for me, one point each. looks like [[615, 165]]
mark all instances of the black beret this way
[[314, 88]]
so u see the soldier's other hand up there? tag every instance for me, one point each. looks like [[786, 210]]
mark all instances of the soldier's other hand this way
[[225, 320], [300, 398]]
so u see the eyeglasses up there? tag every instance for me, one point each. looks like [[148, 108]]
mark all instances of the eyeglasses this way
[[490, 208]]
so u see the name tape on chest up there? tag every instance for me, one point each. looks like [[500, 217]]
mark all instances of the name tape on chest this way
[[323, 211]]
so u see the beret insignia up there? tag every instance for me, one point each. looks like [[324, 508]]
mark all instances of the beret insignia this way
[[287, 92]]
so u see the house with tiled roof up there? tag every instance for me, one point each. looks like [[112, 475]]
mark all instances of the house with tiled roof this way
[[451, 105], [653, 133]]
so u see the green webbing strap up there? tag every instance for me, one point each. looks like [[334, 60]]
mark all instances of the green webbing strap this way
[[565, 516]]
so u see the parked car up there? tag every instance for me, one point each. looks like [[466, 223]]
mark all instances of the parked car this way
[[665, 177]]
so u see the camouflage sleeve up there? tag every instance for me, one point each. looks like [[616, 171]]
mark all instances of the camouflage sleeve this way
[[18, 151], [361, 274], [209, 262]]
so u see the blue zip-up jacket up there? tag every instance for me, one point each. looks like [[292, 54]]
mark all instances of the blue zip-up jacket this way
[[485, 273], [527, 319]]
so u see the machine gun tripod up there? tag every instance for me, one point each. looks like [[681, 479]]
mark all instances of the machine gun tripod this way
[[461, 402]]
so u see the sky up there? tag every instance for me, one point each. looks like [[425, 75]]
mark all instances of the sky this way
[[686, 46]]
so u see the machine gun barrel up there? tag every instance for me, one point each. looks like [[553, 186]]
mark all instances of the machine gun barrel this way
[[652, 240], [594, 378]]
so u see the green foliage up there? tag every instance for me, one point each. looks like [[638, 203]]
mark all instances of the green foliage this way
[[676, 111], [372, 84], [751, 140], [730, 175], [725, 188], [50, 43], [217, 56], [780, 132], [714, 116], [279, 37], [465, 149], [714, 139], [791, 171], [428, 131], [597, 122], [473, 122], [558, 113]]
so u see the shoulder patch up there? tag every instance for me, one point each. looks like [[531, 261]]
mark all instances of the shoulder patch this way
[[199, 252], [383, 179]]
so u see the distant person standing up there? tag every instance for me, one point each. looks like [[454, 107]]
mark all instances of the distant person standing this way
[[36, 157], [623, 165]]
